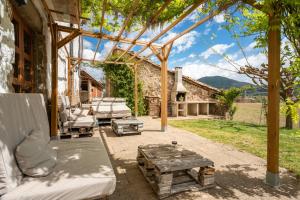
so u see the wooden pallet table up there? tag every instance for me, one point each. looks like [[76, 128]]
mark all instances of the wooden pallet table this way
[[171, 169], [129, 126]]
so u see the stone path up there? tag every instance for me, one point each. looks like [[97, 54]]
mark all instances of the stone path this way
[[239, 175]]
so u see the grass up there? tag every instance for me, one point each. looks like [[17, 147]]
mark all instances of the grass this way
[[247, 137], [251, 113]]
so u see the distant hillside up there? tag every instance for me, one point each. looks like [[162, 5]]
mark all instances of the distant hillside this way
[[221, 82]]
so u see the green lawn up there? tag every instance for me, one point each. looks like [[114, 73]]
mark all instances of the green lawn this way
[[248, 137]]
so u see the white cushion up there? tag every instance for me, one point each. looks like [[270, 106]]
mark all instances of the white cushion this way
[[83, 171], [34, 155], [19, 115]]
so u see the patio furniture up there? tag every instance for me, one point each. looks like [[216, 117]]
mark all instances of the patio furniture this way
[[110, 108], [170, 169], [130, 126], [78, 119], [83, 169]]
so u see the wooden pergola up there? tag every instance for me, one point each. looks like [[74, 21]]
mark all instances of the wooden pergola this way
[[162, 51]]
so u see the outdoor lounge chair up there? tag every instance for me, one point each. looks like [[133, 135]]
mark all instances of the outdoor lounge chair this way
[[109, 107], [76, 118], [83, 169]]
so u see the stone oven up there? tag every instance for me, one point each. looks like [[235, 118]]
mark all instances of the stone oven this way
[[178, 95]]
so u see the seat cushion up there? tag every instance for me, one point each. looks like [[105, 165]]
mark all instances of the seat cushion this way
[[83, 171], [34, 155], [84, 122], [19, 115]]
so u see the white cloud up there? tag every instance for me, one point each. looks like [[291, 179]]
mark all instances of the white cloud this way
[[251, 46], [199, 68], [87, 44], [89, 54], [219, 18], [192, 55], [216, 49], [183, 43], [207, 31]]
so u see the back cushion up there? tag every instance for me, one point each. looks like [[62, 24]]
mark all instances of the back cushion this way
[[19, 115]]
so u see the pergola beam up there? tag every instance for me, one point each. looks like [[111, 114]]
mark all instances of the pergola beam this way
[[152, 20], [102, 62], [205, 19], [272, 176], [105, 36], [54, 80], [179, 19], [100, 28], [67, 39], [126, 21]]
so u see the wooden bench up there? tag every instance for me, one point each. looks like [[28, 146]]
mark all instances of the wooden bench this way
[[171, 169]]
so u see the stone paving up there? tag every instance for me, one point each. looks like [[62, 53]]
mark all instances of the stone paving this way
[[239, 175]]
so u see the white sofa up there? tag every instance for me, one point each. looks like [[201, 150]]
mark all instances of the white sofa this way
[[83, 169]]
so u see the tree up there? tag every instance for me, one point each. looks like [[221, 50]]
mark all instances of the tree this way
[[254, 22], [226, 100]]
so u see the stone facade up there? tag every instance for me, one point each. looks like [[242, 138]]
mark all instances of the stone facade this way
[[149, 75], [34, 16], [7, 47]]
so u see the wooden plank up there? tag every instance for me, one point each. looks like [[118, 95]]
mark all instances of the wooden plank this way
[[152, 19], [164, 93], [105, 36], [179, 19], [54, 78], [274, 100], [67, 39], [136, 107], [100, 28], [211, 15]]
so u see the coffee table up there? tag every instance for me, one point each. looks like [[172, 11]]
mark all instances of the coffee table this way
[[129, 126], [171, 169]]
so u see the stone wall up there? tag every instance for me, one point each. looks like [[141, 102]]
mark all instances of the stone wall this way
[[7, 48], [149, 76]]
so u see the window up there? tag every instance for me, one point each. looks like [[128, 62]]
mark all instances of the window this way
[[23, 67]]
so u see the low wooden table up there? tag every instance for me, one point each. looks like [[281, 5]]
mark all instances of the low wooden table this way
[[127, 126], [171, 169]]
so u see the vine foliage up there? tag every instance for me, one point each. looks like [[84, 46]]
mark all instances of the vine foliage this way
[[122, 85]]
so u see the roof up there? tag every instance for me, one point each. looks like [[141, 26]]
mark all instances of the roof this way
[[185, 78], [65, 11], [84, 73]]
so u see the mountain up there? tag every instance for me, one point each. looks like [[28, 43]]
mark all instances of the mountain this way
[[221, 82]]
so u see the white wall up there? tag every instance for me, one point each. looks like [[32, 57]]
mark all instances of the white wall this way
[[7, 48]]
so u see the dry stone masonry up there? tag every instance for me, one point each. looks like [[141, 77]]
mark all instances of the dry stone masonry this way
[[7, 48]]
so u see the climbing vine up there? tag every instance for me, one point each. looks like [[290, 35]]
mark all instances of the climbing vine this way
[[122, 85]]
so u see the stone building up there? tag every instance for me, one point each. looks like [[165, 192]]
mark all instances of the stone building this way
[[186, 96], [25, 49], [90, 87]]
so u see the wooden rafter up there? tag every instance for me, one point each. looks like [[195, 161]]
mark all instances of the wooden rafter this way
[[102, 62], [179, 19], [105, 36], [100, 27], [152, 20], [126, 22], [68, 38], [63, 13], [205, 19]]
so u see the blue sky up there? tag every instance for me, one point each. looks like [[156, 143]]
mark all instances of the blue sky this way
[[208, 50]]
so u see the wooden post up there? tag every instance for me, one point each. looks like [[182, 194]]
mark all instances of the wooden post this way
[[136, 109], [107, 87], [163, 57], [69, 79], [272, 176], [54, 82], [164, 93]]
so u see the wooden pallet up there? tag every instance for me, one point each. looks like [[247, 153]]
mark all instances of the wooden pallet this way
[[127, 127], [171, 169]]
